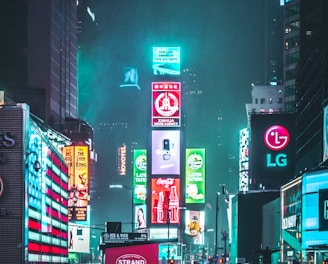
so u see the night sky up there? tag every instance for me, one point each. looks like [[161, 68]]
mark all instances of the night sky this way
[[222, 39]]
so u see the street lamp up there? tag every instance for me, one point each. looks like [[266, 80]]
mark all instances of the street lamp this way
[[216, 224], [120, 186]]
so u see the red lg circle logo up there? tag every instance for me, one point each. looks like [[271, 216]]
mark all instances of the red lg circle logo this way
[[276, 137]]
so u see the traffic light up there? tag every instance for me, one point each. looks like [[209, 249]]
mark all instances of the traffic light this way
[[210, 259], [171, 261], [221, 260]]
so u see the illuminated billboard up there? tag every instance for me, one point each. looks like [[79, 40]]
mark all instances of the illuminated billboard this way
[[140, 214], [166, 60], [314, 209], [77, 159], [195, 175], [291, 215], [47, 202], [79, 235], [243, 159], [130, 78], [195, 225], [165, 200], [166, 104], [165, 152], [272, 150], [140, 176]]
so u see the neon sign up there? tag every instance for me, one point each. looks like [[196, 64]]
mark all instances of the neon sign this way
[[276, 138]]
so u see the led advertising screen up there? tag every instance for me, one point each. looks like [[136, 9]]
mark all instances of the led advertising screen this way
[[170, 250], [140, 176], [243, 159], [272, 150], [195, 175], [314, 209], [77, 159], [166, 104], [140, 214], [291, 214], [130, 78], [195, 223], [165, 152], [165, 200], [166, 60], [79, 235], [47, 203]]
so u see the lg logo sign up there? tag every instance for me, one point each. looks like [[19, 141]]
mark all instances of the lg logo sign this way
[[276, 138]]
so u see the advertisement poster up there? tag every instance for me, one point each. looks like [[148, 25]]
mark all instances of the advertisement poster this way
[[77, 159], [166, 60], [195, 222], [79, 236], [165, 200], [195, 175], [140, 216], [145, 254], [166, 104], [140, 176], [166, 152], [272, 149]]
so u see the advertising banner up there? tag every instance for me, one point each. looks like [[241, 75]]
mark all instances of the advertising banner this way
[[166, 60], [195, 175], [272, 150], [166, 104], [166, 152], [140, 216], [195, 222], [165, 200], [77, 159], [140, 176], [143, 254]]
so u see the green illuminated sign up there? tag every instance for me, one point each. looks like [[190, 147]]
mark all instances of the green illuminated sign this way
[[195, 175], [140, 176]]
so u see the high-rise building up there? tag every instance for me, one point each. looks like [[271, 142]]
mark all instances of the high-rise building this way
[[273, 42], [38, 56], [305, 71]]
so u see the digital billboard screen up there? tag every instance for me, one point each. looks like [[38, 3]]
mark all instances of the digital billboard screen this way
[[77, 159], [140, 218], [195, 175], [139, 176], [195, 225], [314, 209], [165, 200], [166, 104], [166, 60], [165, 152], [272, 150]]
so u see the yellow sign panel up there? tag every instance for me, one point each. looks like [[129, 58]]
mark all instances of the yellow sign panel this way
[[77, 159]]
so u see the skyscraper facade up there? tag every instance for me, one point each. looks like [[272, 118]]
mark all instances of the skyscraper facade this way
[[305, 69], [38, 54]]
